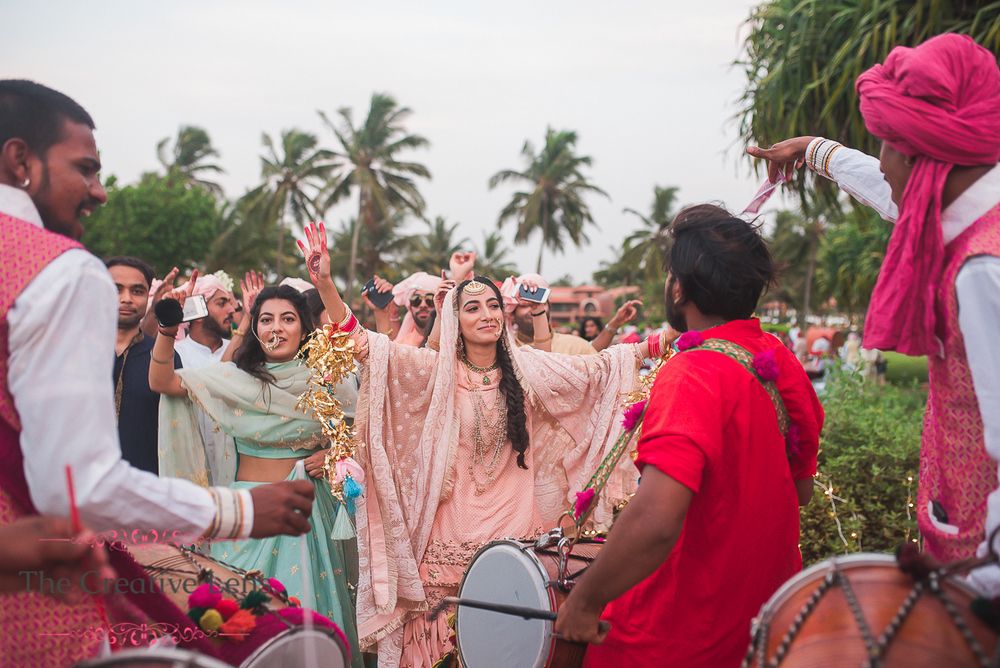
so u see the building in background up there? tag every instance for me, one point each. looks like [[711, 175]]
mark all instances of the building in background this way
[[568, 305]]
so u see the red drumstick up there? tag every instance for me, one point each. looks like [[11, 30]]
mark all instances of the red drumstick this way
[[74, 515]]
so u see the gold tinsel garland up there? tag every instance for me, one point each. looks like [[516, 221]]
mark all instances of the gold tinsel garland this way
[[329, 354]]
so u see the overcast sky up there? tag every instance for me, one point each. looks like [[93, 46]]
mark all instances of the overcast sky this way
[[648, 86]]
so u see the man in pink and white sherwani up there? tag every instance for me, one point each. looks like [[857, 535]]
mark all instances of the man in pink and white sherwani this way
[[936, 108]]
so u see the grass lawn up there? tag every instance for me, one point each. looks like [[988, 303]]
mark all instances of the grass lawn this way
[[903, 369]]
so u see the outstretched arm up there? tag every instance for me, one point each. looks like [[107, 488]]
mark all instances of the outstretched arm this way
[[628, 312], [250, 287], [434, 338], [162, 376], [856, 173], [384, 322], [318, 263], [640, 541]]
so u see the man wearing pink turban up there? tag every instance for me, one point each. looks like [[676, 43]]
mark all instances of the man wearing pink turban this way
[[936, 109], [416, 295], [206, 339]]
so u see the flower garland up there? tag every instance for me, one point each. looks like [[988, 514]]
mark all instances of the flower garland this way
[[329, 354], [632, 417]]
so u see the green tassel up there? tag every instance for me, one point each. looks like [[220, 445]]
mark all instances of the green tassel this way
[[342, 527]]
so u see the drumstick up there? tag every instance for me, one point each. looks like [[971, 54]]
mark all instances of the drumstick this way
[[503, 609], [74, 515]]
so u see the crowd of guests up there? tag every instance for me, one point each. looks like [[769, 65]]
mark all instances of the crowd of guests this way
[[475, 419]]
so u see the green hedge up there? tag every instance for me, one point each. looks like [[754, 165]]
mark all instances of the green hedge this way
[[869, 448], [903, 369]]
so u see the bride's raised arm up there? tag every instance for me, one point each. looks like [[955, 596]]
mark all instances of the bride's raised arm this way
[[317, 257]]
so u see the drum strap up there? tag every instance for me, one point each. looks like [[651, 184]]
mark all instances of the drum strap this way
[[745, 359]]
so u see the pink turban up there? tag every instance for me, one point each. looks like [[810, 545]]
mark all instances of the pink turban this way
[[206, 286], [940, 104], [401, 293]]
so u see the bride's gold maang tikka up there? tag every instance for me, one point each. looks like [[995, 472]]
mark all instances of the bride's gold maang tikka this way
[[474, 287]]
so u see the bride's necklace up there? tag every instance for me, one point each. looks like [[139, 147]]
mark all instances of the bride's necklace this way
[[485, 370], [489, 441]]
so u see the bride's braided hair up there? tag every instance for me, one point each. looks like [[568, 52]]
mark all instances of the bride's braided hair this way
[[517, 430]]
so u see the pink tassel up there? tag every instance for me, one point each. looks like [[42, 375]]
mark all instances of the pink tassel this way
[[632, 415], [205, 595], [583, 501], [766, 365], [690, 339]]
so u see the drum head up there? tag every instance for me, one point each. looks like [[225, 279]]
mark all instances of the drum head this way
[[158, 657], [504, 573], [299, 647]]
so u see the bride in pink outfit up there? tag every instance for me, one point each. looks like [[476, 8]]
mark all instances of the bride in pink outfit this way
[[463, 442]]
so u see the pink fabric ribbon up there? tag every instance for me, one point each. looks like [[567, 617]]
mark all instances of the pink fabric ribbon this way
[[938, 103]]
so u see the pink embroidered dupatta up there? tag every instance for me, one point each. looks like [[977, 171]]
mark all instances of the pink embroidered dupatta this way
[[407, 426]]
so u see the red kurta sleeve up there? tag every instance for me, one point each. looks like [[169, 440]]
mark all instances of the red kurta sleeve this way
[[682, 429], [805, 415]]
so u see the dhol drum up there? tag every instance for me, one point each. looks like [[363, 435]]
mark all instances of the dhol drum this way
[[862, 610], [518, 573], [154, 658], [282, 636]]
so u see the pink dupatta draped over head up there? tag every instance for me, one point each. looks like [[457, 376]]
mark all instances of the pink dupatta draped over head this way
[[940, 104], [407, 426]]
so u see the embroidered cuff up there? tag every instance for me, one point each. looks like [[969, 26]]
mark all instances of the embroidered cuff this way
[[233, 513], [819, 153]]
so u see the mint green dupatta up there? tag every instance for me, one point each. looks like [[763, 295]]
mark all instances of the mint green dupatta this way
[[243, 407]]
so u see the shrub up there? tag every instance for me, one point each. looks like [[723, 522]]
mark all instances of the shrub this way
[[904, 370], [868, 463]]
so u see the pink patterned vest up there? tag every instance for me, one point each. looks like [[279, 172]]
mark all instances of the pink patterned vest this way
[[35, 630], [955, 469]]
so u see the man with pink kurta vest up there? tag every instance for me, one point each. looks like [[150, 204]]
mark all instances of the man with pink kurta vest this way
[[57, 336], [936, 109]]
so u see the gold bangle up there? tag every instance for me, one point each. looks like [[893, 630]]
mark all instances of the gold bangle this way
[[239, 334]]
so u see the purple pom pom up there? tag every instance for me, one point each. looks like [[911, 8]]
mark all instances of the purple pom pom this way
[[632, 414], [690, 339], [766, 365], [206, 595]]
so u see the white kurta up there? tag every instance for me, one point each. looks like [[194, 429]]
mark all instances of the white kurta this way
[[62, 343], [978, 289]]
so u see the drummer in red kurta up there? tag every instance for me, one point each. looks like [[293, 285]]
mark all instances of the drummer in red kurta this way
[[713, 530]]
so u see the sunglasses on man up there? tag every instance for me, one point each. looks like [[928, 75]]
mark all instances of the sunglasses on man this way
[[428, 300]]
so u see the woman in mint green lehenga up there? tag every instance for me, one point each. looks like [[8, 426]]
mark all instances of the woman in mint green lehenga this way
[[253, 399]]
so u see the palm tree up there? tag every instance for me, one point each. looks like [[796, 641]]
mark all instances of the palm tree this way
[[387, 250], [491, 257], [850, 256], [248, 240], [802, 57], [384, 182], [554, 205], [795, 242], [292, 176], [432, 251], [188, 159], [646, 248]]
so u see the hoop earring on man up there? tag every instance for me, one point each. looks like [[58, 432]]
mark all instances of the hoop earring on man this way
[[26, 182]]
